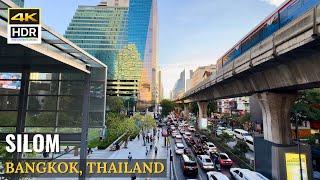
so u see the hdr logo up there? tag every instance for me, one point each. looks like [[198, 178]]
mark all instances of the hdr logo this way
[[24, 26]]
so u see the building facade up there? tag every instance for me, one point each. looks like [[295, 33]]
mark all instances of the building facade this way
[[122, 34], [19, 2], [238, 105], [200, 74], [180, 86]]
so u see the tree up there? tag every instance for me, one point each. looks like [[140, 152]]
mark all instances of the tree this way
[[115, 104], [212, 107], [194, 108], [167, 106], [308, 105]]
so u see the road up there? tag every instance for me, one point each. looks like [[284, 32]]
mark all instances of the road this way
[[178, 169]]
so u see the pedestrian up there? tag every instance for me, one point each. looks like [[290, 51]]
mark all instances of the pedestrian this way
[[155, 150], [151, 139], [147, 138], [139, 136], [150, 147], [158, 137], [146, 151], [129, 157]]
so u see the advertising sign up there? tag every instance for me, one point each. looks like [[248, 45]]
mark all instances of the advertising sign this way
[[293, 166]]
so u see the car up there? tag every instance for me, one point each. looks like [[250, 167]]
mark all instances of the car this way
[[189, 165], [182, 131], [219, 130], [196, 134], [187, 151], [178, 138], [214, 175], [205, 162], [179, 148], [198, 149], [240, 133], [191, 128], [240, 174], [203, 138], [190, 141], [174, 133], [224, 160], [210, 147], [187, 134], [161, 124], [172, 127]]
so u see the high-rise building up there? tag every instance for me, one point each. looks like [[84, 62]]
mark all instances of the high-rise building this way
[[19, 2], [123, 35]]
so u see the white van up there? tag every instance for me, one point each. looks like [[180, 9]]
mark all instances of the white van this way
[[240, 133], [249, 142]]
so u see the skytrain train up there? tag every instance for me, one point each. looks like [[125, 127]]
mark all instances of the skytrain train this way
[[287, 12]]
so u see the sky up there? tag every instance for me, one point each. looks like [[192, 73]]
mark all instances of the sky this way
[[191, 32]]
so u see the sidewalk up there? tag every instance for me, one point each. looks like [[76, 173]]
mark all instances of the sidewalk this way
[[137, 149]]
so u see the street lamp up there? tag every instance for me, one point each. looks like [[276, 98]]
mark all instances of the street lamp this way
[[297, 117]]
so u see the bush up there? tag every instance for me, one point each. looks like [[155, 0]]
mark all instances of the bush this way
[[241, 147]]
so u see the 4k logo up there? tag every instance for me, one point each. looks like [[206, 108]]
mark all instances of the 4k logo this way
[[24, 26]]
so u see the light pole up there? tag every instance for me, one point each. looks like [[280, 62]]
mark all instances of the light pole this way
[[297, 117]]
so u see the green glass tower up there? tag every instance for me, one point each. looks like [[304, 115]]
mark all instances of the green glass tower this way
[[117, 32], [19, 2]]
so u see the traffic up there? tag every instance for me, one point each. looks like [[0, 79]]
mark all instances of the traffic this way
[[194, 156]]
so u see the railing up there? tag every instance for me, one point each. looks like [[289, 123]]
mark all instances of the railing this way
[[297, 33]]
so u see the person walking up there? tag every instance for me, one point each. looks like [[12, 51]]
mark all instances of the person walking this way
[[147, 138], [150, 147], [146, 151], [155, 150], [130, 157], [151, 139]]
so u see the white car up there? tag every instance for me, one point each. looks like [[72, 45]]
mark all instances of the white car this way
[[214, 175], [191, 128], [241, 174], [187, 133], [210, 147], [220, 130], [205, 162], [178, 136], [179, 148]]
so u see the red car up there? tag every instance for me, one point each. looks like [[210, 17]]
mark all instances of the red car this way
[[224, 160]]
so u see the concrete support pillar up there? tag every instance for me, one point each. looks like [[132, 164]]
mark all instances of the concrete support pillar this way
[[186, 110], [202, 119], [275, 114], [280, 149]]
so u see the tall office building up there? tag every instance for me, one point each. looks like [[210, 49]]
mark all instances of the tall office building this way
[[19, 2], [123, 35]]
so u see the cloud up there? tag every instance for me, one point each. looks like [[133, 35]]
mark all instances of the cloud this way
[[274, 2]]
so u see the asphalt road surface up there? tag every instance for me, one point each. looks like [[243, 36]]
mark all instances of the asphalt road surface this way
[[178, 169]]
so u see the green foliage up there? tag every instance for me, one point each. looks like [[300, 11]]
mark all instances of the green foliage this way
[[245, 118], [212, 107], [115, 104], [167, 106], [194, 108], [241, 148], [118, 124], [308, 105], [225, 137]]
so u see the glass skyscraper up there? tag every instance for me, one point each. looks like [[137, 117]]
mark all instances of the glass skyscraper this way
[[120, 34], [19, 2]]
